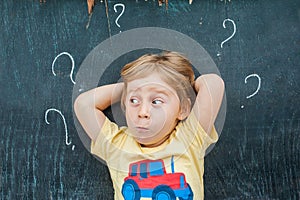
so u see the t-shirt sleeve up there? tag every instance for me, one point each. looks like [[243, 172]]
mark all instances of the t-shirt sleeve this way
[[103, 143], [193, 133]]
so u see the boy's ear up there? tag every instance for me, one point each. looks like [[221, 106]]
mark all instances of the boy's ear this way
[[185, 109]]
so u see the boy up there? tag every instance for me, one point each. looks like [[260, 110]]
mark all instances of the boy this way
[[160, 154]]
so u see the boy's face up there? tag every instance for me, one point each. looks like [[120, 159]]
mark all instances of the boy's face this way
[[152, 110]]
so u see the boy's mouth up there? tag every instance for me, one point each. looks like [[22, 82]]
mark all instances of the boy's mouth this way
[[141, 129]]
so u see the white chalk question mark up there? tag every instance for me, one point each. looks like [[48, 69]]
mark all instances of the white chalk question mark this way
[[73, 64], [65, 124], [258, 86], [234, 30], [115, 9]]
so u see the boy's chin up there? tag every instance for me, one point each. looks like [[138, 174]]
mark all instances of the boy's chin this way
[[144, 142], [149, 144]]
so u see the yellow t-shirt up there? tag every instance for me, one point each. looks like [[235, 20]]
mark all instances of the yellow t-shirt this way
[[174, 168]]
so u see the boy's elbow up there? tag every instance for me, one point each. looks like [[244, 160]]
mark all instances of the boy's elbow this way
[[78, 104], [219, 82], [215, 81]]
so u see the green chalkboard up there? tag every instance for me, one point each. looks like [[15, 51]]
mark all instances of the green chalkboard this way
[[41, 43]]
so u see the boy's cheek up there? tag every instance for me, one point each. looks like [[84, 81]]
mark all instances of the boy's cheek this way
[[130, 113], [160, 115]]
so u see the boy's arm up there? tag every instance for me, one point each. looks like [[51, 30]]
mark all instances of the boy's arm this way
[[89, 107], [210, 91]]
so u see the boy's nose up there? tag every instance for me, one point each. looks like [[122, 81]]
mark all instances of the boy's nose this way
[[144, 111]]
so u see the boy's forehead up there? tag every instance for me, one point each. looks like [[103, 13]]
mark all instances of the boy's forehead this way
[[151, 82], [151, 87]]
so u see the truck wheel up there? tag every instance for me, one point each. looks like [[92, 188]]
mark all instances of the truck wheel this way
[[191, 195], [163, 192], [130, 190]]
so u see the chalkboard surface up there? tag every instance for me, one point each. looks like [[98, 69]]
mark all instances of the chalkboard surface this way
[[258, 154]]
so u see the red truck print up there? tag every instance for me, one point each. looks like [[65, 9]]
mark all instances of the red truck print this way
[[148, 178]]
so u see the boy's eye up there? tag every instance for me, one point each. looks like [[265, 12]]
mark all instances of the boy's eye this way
[[134, 101], [157, 101]]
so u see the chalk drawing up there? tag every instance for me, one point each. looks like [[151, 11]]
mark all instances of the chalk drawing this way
[[115, 9], [73, 64], [258, 86], [65, 124], [234, 30]]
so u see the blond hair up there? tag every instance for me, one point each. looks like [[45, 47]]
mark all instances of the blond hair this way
[[173, 68]]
